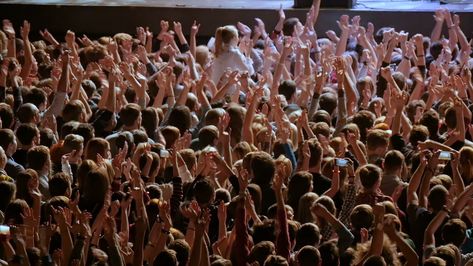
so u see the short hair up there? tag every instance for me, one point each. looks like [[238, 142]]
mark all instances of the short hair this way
[[96, 146], [309, 256], [307, 235], [47, 137], [208, 135], [329, 253], [6, 138], [170, 134], [188, 155], [129, 114], [362, 217], [431, 120], [328, 203], [369, 174], [26, 133], [182, 249], [447, 253], [7, 194], [275, 260], [328, 101], [299, 184], [203, 191], [68, 128], [261, 251], [27, 112], [438, 197], [37, 157], [85, 130], [287, 88], [263, 168], [321, 128], [73, 142], [289, 25], [419, 133], [59, 184], [434, 261], [316, 152], [7, 115], [377, 138], [454, 231], [364, 120], [393, 160], [14, 211], [72, 111], [167, 257], [212, 117], [35, 96]]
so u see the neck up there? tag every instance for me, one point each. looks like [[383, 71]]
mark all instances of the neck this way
[[130, 128], [25, 147], [316, 168]]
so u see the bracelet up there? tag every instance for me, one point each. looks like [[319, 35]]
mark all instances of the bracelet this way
[[407, 58]]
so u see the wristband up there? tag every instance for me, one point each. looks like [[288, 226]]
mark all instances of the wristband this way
[[407, 58]]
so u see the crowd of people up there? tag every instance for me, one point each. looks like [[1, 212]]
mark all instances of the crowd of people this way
[[259, 148]]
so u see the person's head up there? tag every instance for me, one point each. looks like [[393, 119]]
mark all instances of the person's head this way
[[95, 187], [434, 261], [150, 121], [47, 137], [308, 235], [316, 153], [167, 257], [38, 97], [240, 150], [188, 155], [7, 194], [304, 213], [130, 116], [329, 253], [466, 163], [419, 133], [308, 256], [377, 142], [291, 26], [393, 162], [299, 184], [73, 142], [7, 115], [28, 135], [262, 167], [275, 260], [39, 159], [362, 217], [370, 176], [438, 196], [8, 141], [182, 250], [448, 253], [328, 102], [202, 55], [97, 146], [213, 116], [365, 121], [68, 128], [431, 120], [204, 193], [436, 49], [288, 89], [15, 211], [74, 111], [180, 117], [26, 181], [454, 232], [171, 135], [225, 36], [28, 113], [208, 136], [261, 251], [60, 185]]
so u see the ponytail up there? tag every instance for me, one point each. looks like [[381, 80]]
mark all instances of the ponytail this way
[[218, 41]]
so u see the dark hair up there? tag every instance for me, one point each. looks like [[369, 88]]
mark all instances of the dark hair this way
[[438, 197], [7, 115], [263, 168], [329, 253], [203, 192], [287, 88], [431, 120], [59, 184], [167, 257], [7, 194], [6, 138], [129, 114], [38, 157], [369, 175], [150, 121], [364, 120], [275, 260], [308, 256], [22, 189], [307, 235], [85, 130], [14, 211], [182, 250], [72, 111], [26, 133], [47, 137], [299, 184], [261, 251], [362, 217], [418, 134], [180, 117], [27, 112], [393, 160], [208, 135], [35, 96], [328, 102], [96, 146], [454, 232], [289, 26]]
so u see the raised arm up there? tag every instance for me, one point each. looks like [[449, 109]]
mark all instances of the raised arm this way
[[26, 69], [439, 18]]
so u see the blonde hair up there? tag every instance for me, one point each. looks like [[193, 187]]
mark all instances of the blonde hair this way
[[223, 36]]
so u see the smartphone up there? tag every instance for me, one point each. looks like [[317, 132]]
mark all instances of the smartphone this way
[[445, 155], [164, 153], [341, 162]]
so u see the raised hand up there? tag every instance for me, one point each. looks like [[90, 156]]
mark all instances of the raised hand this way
[[195, 28], [25, 30], [8, 28]]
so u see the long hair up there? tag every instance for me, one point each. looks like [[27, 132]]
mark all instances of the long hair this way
[[223, 36]]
